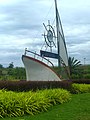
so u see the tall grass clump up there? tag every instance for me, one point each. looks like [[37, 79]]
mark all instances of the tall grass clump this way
[[80, 88], [14, 104]]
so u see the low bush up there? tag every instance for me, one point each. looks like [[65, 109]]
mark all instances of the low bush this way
[[34, 85], [21, 103], [80, 88], [82, 81]]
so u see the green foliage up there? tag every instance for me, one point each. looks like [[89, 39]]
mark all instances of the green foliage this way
[[17, 73], [74, 66], [75, 76], [87, 76], [11, 65], [80, 88], [1, 66], [21, 103], [77, 71], [78, 108]]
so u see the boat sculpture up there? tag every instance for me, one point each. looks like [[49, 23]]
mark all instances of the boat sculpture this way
[[38, 67]]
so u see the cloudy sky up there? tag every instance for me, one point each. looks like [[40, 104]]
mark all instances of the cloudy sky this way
[[21, 26]]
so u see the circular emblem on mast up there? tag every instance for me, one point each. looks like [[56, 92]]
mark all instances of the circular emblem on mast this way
[[49, 36]]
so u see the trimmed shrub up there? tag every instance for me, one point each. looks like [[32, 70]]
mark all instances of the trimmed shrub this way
[[21, 103], [34, 85], [82, 81], [80, 88]]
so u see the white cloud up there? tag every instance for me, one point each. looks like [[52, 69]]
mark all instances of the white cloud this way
[[80, 47]]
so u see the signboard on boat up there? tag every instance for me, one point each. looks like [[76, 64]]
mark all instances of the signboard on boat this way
[[48, 54]]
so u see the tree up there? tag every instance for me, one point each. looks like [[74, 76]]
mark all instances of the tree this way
[[74, 65], [1, 66], [11, 65]]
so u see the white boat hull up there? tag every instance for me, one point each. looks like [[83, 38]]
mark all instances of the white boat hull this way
[[37, 70]]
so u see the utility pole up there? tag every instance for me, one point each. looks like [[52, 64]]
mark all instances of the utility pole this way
[[84, 61]]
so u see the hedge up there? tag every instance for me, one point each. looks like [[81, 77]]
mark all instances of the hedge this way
[[34, 85], [80, 88]]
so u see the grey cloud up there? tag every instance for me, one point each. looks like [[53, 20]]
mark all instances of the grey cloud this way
[[19, 17], [21, 23]]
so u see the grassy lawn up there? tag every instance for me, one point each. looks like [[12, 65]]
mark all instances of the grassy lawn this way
[[76, 109]]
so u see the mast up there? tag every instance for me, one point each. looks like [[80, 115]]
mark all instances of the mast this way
[[61, 45], [57, 30]]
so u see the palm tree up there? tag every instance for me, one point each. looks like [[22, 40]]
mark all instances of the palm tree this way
[[74, 65]]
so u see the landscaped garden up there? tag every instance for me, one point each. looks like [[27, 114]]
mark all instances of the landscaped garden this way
[[78, 108], [54, 103], [44, 100]]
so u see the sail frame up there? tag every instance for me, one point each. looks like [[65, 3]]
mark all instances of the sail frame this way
[[62, 49], [60, 36]]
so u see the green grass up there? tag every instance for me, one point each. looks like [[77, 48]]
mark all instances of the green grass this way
[[76, 109]]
